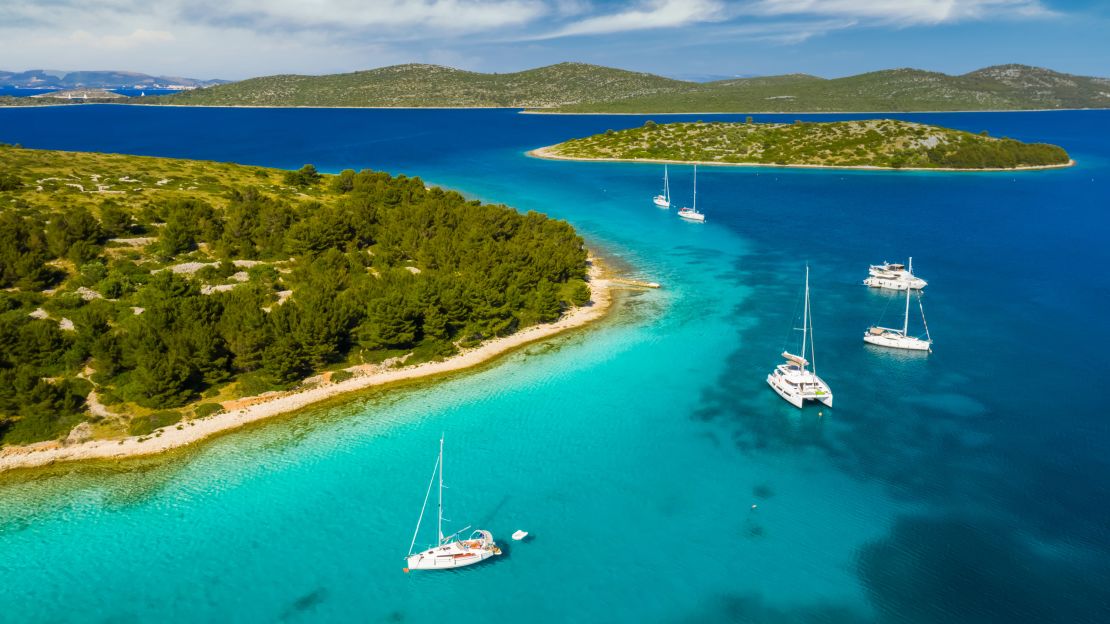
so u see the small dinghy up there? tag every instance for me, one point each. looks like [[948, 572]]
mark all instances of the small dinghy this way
[[520, 535]]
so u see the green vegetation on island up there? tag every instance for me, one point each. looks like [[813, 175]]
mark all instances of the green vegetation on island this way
[[432, 86], [581, 88], [140, 291], [864, 143]]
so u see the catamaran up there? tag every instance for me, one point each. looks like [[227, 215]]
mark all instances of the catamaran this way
[[793, 380], [900, 338], [692, 214], [664, 200], [451, 551], [894, 276]]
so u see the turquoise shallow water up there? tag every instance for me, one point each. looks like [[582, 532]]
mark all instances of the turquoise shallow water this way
[[970, 485]]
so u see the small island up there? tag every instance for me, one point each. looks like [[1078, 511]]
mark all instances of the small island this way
[[871, 143], [146, 303]]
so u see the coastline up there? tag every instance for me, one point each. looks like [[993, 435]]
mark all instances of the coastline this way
[[545, 153], [240, 412], [554, 111], [543, 111]]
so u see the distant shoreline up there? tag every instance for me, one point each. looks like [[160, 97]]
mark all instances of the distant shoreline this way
[[534, 111], [544, 153], [248, 410], [540, 111]]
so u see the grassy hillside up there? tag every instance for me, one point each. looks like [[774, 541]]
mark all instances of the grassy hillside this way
[[876, 143], [576, 87], [1006, 87], [136, 292], [433, 86]]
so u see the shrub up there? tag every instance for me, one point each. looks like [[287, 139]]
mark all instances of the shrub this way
[[145, 425], [341, 375], [205, 410]]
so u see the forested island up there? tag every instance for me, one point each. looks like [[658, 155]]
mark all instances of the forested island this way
[[142, 292], [883, 143], [583, 88]]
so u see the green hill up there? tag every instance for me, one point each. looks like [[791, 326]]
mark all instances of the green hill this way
[[865, 143], [581, 88], [1005, 87], [434, 86]]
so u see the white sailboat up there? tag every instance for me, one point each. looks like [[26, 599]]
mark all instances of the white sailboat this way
[[900, 338], [796, 379], [450, 551], [664, 200], [894, 276], [692, 214]]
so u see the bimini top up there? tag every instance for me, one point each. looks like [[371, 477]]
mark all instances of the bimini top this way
[[797, 359]]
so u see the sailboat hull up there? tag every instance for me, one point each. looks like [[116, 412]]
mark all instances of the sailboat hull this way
[[456, 553], [447, 557], [898, 341], [661, 202]]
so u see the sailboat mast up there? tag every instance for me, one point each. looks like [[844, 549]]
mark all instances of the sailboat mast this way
[[441, 489], [906, 321], [805, 319], [666, 184], [695, 188]]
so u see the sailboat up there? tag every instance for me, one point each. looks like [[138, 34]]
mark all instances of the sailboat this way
[[900, 338], [894, 276], [450, 551], [796, 379], [664, 200], [692, 214]]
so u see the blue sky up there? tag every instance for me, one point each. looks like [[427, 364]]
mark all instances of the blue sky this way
[[235, 39]]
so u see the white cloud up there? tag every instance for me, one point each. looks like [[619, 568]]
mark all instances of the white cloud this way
[[901, 12], [137, 37], [443, 16], [238, 38], [643, 16]]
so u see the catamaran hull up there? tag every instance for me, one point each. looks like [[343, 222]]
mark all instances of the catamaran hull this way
[[902, 342], [794, 398]]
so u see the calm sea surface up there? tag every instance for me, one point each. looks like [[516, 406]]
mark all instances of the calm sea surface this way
[[662, 479]]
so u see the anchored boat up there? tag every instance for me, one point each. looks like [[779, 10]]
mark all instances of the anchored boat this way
[[894, 276], [450, 551], [900, 338], [664, 200], [796, 379], [692, 214]]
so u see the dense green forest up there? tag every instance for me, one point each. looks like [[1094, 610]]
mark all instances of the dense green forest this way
[[169, 285], [872, 142]]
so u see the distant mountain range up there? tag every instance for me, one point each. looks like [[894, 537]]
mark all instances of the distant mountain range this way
[[51, 79], [581, 88]]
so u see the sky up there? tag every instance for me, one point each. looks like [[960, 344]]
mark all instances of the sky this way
[[235, 39]]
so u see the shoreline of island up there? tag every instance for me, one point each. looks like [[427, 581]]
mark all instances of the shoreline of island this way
[[545, 154], [554, 111], [248, 410]]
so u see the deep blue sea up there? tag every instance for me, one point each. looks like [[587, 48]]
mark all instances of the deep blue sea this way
[[662, 480], [26, 92]]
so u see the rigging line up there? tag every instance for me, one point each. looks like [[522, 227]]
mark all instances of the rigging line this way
[[787, 340], [921, 307], [886, 308], [424, 506]]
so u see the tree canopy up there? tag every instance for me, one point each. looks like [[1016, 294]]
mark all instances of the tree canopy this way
[[223, 280]]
